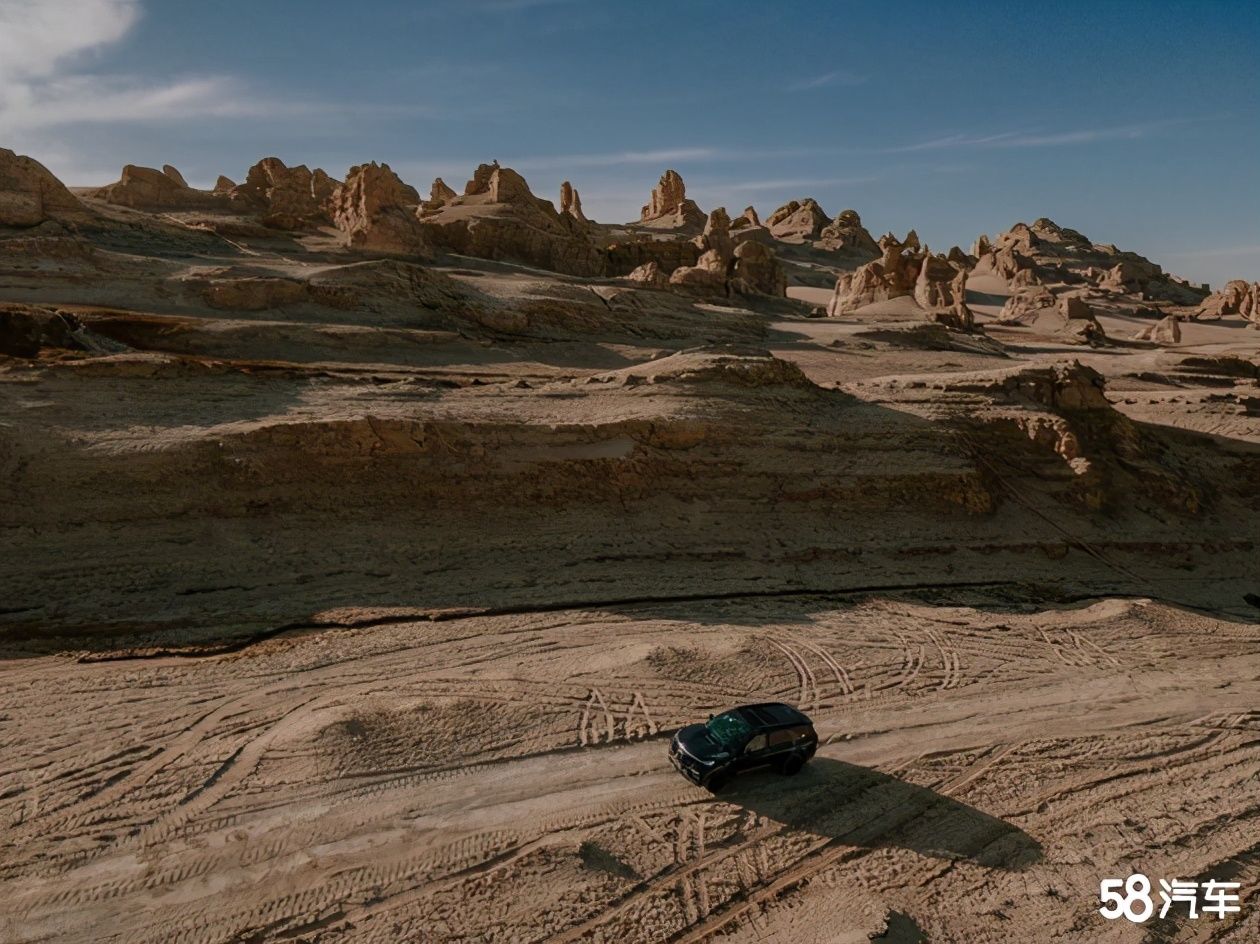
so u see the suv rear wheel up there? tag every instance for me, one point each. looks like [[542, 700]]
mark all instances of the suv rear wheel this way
[[792, 765]]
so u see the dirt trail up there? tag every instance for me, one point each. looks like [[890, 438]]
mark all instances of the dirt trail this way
[[504, 778]]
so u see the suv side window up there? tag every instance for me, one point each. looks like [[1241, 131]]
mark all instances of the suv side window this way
[[757, 743]]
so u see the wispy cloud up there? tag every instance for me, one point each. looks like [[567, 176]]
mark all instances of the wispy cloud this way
[[838, 77], [613, 159], [1036, 139], [801, 183]]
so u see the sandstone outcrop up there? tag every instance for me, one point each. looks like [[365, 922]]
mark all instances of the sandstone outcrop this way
[[649, 275], [717, 235], [377, 211], [757, 271], [1005, 262], [1165, 331], [146, 188], [707, 277], [724, 267], [1069, 318], [934, 285], [30, 194], [497, 217], [440, 194], [224, 184], [174, 174], [1238, 297], [571, 202], [669, 206], [797, 221], [893, 275], [627, 255], [1068, 256], [748, 218], [847, 234], [285, 197]]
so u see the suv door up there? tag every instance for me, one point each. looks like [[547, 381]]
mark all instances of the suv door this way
[[754, 753]]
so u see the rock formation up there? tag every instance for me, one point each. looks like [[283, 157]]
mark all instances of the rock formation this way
[[893, 275], [649, 275], [748, 218], [571, 202], [224, 184], [285, 197], [377, 211], [30, 194], [146, 188], [439, 196], [669, 207], [757, 270], [707, 277], [1005, 262], [797, 222], [723, 267], [1069, 318], [934, 285], [717, 235], [847, 234], [1165, 331], [624, 256], [1067, 256], [1238, 297], [175, 175], [497, 217]]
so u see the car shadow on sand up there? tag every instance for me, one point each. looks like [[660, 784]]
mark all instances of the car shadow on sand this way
[[861, 807]]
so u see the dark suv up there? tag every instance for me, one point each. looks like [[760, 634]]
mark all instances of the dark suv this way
[[768, 735]]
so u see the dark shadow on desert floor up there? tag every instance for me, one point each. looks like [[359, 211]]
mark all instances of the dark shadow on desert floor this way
[[862, 807]]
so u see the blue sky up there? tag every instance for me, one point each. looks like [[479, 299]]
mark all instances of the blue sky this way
[[1135, 122]]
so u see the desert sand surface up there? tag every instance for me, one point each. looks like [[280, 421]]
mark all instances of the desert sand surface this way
[[363, 552]]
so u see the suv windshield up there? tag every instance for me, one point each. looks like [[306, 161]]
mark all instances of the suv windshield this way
[[729, 730]]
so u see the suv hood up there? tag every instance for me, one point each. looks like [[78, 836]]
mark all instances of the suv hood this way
[[696, 741]]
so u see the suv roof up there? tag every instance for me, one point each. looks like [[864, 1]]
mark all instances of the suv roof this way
[[771, 715]]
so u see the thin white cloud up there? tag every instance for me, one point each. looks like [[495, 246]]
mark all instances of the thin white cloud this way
[[615, 159], [752, 186], [839, 77], [1035, 139]]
